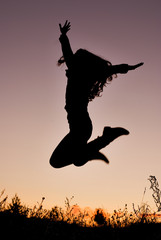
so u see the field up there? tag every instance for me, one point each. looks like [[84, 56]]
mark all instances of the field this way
[[17, 221]]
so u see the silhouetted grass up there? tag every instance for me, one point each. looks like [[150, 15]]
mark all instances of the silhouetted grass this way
[[21, 222]]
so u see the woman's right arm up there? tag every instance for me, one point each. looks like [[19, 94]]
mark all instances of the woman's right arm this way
[[124, 68], [65, 44]]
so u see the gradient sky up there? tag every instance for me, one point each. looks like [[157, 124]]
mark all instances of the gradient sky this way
[[32, 88]]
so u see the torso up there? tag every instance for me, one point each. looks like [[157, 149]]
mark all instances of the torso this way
[[76, 94]]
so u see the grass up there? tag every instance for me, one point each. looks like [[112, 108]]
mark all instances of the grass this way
[[21, 222]]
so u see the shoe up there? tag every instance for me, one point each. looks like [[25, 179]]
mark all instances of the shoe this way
[[99, 156], [110, 134], [92, 156]]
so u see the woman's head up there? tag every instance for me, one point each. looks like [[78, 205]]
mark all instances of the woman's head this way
[[93, 70]]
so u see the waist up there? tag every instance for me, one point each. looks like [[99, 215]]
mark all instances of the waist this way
[[75, 110], [78, 118], [76, 107]]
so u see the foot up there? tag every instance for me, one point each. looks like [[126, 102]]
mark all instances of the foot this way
[[110, 134], [99, 156], [91, 156]]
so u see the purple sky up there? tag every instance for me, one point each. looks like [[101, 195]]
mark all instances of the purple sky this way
[[33, 119]]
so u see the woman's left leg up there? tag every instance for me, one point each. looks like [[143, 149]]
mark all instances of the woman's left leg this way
[[92, 149], [108, 136]]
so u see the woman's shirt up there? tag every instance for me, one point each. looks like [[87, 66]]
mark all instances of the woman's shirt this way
[[76, 93]]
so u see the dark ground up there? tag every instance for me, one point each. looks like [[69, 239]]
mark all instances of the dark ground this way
[[21, 227]]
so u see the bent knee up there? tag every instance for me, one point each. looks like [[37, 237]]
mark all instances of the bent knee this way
[[54, 162], [60, 160]]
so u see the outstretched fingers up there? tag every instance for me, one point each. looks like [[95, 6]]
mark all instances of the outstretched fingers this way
[[65, 28], [66, 23], [139, 65], [133, 67], [60, 26]]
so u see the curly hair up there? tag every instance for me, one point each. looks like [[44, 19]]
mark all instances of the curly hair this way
[[93, 70]]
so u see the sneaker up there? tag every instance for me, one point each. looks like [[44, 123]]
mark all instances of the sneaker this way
[[92, 156], [110, 134], [99, 156]]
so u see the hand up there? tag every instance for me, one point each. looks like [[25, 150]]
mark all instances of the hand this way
[[65, 28], [124, 68], [133, 67]]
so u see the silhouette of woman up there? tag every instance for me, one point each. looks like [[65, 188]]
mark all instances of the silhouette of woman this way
[[87, 75]]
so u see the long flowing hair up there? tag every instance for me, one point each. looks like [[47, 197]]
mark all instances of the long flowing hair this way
[[93, 70]]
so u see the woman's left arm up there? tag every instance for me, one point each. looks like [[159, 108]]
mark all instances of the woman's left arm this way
[[124, 68]]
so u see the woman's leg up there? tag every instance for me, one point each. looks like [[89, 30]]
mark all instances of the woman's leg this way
[[109, 135], [91, 150], [63, 154], [72, 149]]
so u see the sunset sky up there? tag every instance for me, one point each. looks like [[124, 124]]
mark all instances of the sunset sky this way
[[32, 89]]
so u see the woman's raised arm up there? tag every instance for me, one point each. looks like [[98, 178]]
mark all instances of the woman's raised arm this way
[[65, 44]]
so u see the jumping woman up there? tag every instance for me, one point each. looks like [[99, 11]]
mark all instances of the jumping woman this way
[[87, 75]]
